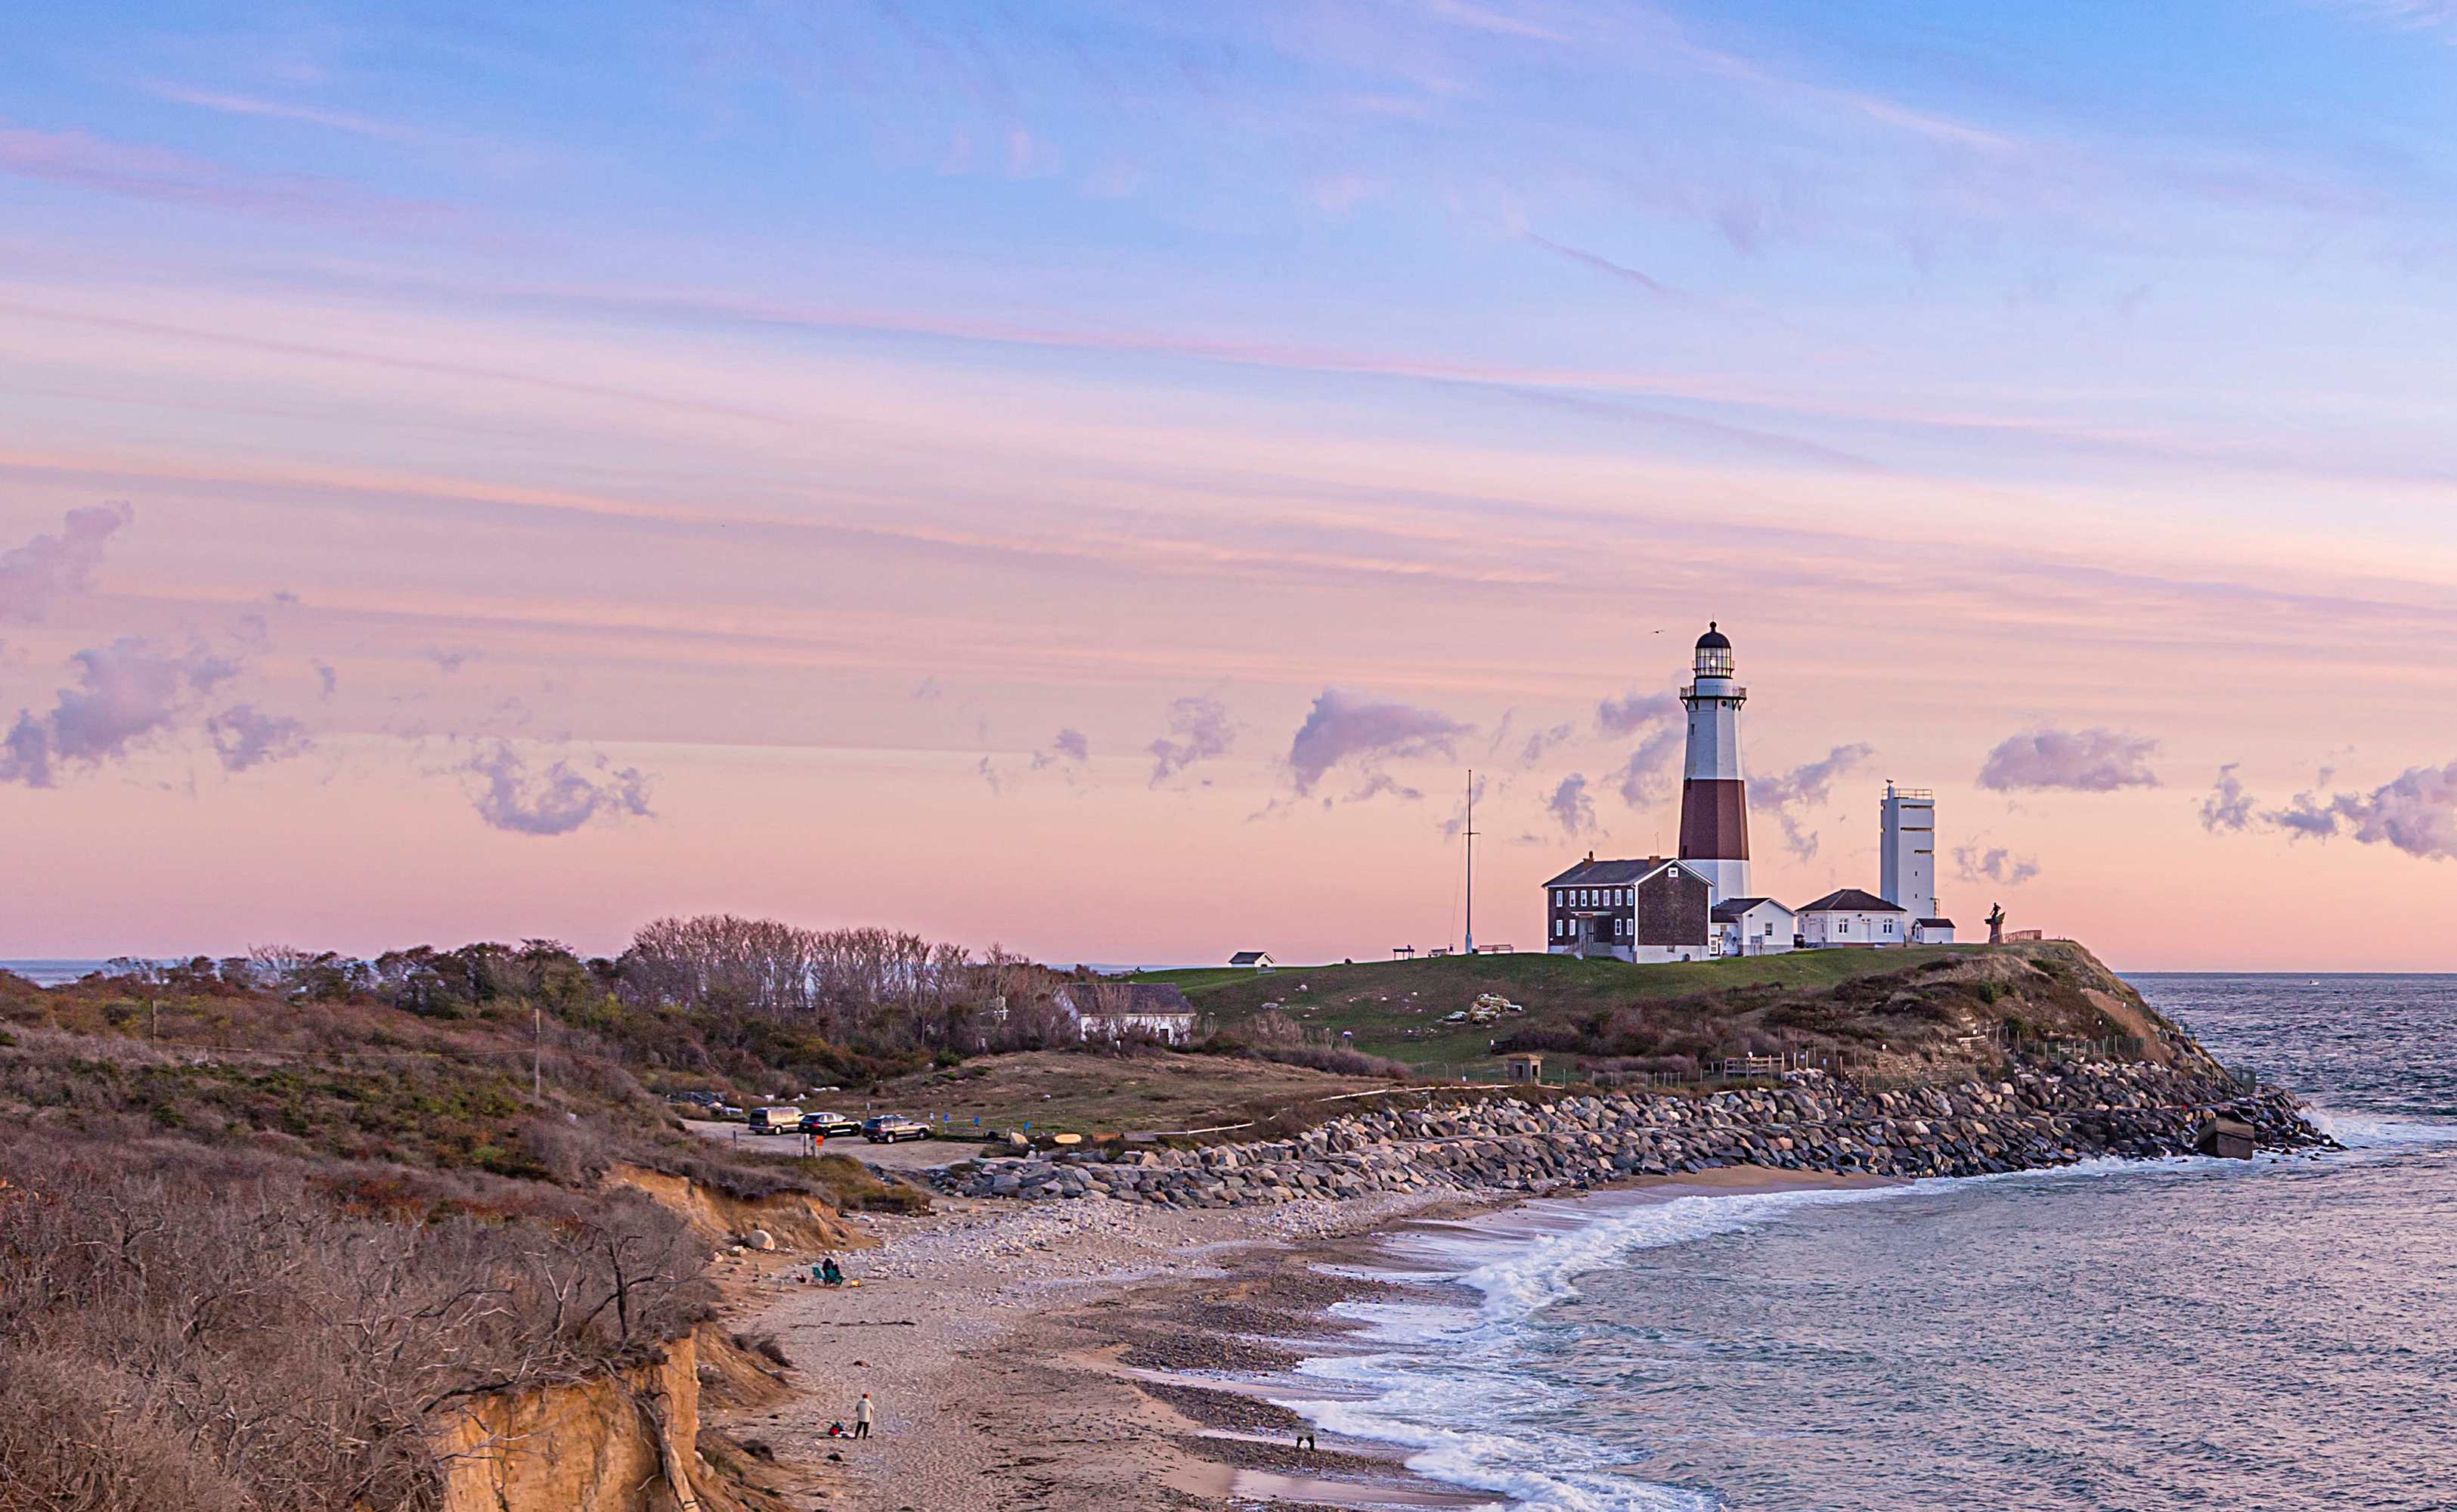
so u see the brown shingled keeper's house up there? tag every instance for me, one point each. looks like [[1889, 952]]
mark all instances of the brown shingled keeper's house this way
[[1642, 911]]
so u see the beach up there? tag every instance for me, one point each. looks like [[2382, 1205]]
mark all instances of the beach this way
[[1097, 1354]]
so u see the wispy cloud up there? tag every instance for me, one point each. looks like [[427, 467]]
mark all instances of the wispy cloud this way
[[1599, 263], [1067, 745], [1646, 778], [1539, 743], [286, 110], [2228, 807], [1571, 807], [1808, 785], [245, 736], [81, 160], [127, 693], [1994, 863], [1633, 711], [1199, 730]]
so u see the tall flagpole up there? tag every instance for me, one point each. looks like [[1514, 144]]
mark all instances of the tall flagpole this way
[[1471, 861]]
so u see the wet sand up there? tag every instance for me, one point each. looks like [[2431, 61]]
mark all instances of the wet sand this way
[[1089, 1353]]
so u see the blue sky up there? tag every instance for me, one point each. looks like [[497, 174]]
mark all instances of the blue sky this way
[[682, 390]]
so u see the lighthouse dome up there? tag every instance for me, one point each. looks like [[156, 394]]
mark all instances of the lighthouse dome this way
[[1714, 654]]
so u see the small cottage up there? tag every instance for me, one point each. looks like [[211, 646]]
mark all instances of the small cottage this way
[[1753, 926], [1851, 919]]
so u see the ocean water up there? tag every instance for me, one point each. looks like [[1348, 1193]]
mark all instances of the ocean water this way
[[51, 973], [2192, 1332]]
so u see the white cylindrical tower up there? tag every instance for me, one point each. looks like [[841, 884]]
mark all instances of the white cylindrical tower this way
[[1714, 798]]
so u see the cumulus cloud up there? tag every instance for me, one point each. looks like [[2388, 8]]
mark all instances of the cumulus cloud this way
[[450, 658], [246, 736], [518, 795], [2095, 760], [2228, 807], [1995, 865], [330, 679], [1348, 728], [2416, 813], [1571, 807], [1635, 712], [34, 574], [125, 693], [1198, 731], [26, 756], [926, 691]]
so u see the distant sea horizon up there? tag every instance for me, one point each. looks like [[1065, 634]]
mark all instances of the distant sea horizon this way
[[52, 972]]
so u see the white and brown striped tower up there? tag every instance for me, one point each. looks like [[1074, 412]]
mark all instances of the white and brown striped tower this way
[[1714, 798]]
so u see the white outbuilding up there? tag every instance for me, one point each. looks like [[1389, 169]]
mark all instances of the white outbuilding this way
[[1753, 926], [1851, 919]]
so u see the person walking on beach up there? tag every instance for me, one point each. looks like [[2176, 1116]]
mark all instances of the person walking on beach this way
[[862, 1411]]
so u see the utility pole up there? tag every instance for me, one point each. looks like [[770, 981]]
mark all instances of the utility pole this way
[[1471, 861]]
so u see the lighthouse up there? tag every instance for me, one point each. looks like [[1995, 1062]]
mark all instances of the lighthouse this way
[[1714, 798]]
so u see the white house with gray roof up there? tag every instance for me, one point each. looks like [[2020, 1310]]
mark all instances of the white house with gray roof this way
[[1854, 920], [1753, 926]]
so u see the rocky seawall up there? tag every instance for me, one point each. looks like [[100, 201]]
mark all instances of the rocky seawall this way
[[2039, 1117]]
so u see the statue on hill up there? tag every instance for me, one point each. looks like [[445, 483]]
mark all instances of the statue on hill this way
[[1996, 923]]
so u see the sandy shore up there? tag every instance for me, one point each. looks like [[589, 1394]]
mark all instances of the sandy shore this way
[[1088, 1354]]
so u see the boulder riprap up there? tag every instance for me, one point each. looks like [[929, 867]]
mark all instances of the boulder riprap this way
[[2037, 1117]]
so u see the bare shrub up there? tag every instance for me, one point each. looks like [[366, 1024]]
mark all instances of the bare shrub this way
[[79, 1435], [1272, 1027], [1336, 1060], [278, 1346]]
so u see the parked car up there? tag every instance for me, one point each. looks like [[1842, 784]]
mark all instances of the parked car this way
[[825, 1123], [889, 1127], [775, 1120]]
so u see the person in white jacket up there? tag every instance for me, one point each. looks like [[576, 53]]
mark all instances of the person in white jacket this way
[[861, 1413]]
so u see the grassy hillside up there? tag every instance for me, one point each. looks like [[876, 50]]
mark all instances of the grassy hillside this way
[[1890, 1012], [1057, 1091]]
